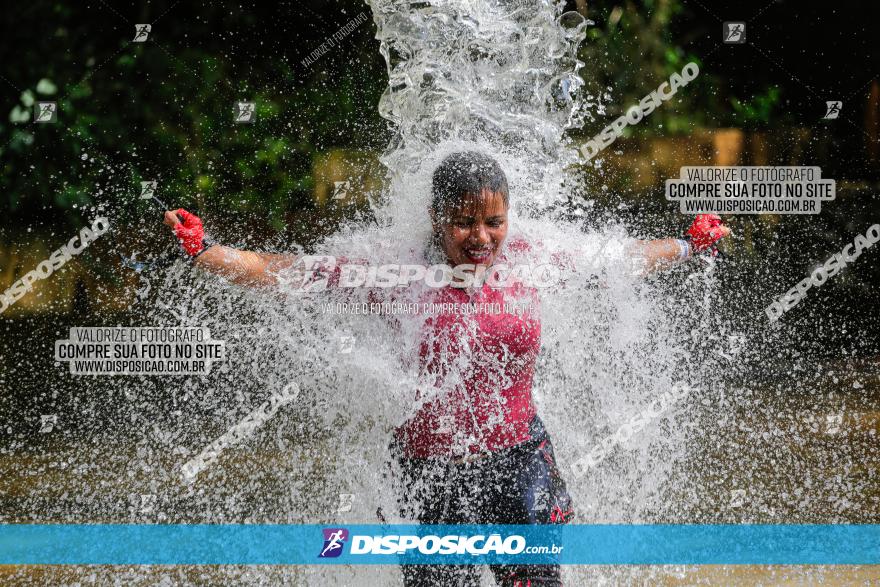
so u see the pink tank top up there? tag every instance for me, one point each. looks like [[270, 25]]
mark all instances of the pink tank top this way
[[481, 363]]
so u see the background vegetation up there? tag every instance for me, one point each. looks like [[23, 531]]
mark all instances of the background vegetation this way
[[163, 110]]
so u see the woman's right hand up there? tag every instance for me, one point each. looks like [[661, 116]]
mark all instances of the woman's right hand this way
[[245, 268], [188, 229]]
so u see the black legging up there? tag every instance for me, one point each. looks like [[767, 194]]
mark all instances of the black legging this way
[[519, 485]]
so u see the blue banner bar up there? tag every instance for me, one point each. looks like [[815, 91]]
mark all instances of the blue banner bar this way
[[184, 544]]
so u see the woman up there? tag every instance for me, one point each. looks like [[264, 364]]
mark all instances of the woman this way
[[476, 452]]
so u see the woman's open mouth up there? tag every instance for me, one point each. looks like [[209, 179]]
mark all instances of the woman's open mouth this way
[[479, 256]]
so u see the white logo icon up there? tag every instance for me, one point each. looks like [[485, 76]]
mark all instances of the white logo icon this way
[[832, 109], [345, 501], [346, 344], [148, 502], [340, 189], [334, 543], [833, 422], [143, 291], [148, 189], [244, 112], [46, 112], [734, 32], [736, 498], [48, 422], [141, 32]]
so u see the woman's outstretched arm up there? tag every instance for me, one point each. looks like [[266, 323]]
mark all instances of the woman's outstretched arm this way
[[245, 268], [657, 255]]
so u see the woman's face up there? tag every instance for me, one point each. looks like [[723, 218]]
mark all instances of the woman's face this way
[[473, 232]]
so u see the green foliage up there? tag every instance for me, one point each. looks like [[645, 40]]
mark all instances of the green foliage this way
[[164, 110], [633, 47], [629, 52], [758, 110]]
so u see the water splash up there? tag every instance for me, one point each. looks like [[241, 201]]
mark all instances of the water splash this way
[[500, 74], [502, 78]]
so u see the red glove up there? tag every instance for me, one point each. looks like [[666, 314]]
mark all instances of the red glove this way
[[706, 230], [190, 232]]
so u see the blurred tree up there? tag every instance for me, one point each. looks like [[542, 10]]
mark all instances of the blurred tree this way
[[163, 109], [634, 46]]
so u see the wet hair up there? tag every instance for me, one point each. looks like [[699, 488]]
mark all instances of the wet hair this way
[[466, 173]]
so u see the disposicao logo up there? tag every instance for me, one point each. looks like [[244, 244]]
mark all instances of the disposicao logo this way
[[334, 540]]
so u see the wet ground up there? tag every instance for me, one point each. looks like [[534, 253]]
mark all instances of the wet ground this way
[[769, 456], [348, 577]]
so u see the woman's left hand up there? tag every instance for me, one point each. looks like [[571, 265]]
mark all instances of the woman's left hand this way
[[706, 230]]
